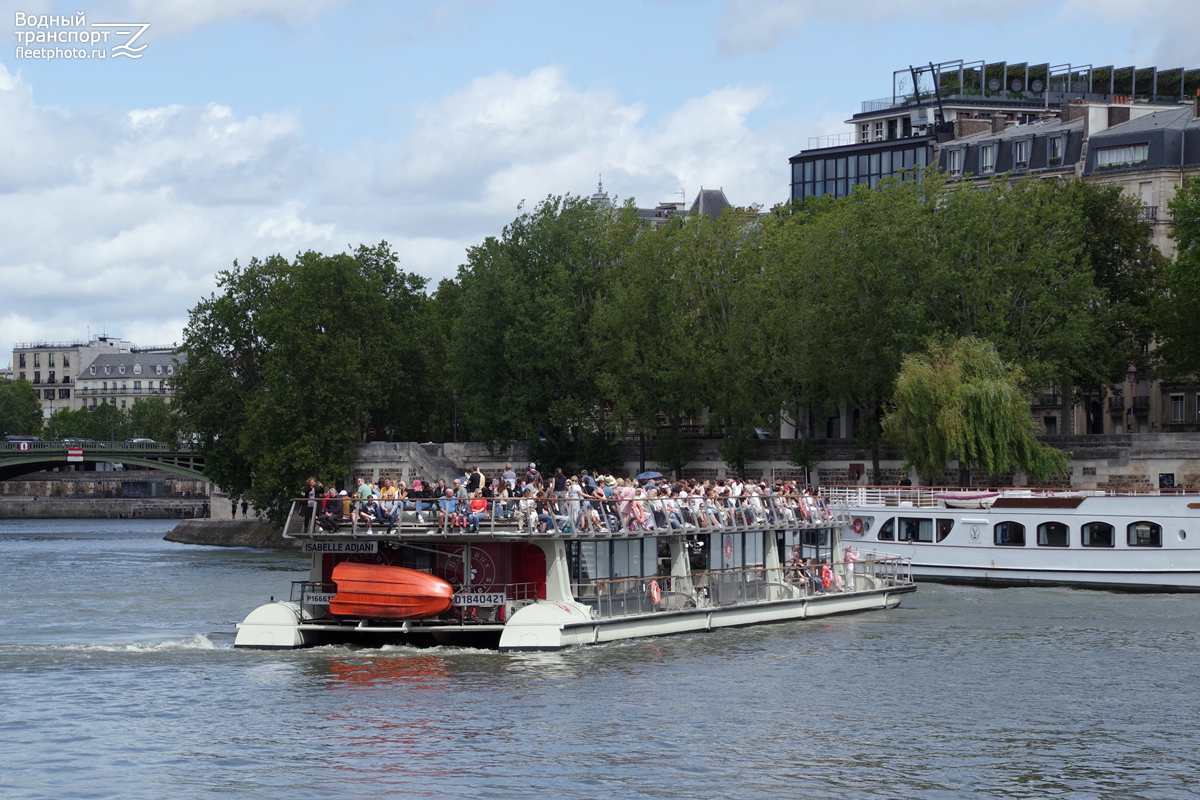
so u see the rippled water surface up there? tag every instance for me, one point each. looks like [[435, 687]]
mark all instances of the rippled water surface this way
[[118, 679]]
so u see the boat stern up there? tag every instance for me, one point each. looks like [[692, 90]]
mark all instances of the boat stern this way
[[274, 626], [542, 626]]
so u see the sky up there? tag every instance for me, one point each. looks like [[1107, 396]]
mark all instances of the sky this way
[[246, 128]]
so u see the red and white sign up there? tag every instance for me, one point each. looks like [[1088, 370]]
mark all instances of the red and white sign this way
[[23, 446], [74, 454]]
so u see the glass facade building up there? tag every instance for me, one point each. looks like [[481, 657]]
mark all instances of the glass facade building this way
[[837, 170]]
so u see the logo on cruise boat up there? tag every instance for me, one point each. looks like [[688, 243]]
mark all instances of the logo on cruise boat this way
[[974, 531], [728, 548], [483, 568]]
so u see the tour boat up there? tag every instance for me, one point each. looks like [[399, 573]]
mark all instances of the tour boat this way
[[1145, 540], [515, 580]]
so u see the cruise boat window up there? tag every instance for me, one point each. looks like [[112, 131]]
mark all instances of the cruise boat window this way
[[944, 526], [1097, 534], [1010, 533], [1145, 534], [1053, 534], [916, 530], [887, 531]]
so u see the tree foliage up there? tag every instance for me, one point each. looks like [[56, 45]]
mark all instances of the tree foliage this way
[[1178, 309], [291, 364], [579, 324], [20, 409], [961, 401]]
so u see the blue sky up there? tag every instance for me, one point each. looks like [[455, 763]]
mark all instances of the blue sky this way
[[262, 126]]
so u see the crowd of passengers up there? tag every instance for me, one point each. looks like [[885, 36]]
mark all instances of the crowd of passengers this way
[[576, 503]]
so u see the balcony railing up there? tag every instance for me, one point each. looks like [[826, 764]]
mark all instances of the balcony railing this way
[[1148, 214]]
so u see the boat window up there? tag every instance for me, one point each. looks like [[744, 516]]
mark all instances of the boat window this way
[[1097, 534], [1053, 534], [1145, 534], [944, 526], [1010, 533], [916, 530], [887, 531]]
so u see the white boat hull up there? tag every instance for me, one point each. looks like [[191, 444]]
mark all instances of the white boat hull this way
[[554, 631], [969, 553]]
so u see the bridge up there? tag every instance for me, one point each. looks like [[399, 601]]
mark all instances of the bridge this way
[[22, 458]]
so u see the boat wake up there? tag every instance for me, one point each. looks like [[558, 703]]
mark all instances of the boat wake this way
[[195, 642]]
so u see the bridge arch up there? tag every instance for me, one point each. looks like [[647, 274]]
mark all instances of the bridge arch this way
[[16, 461]]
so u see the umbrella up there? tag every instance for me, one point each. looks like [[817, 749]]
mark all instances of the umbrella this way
[[645, 476]]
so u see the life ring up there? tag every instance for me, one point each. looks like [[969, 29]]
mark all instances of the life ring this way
[[858, 526], [639, 514], [655, 593]]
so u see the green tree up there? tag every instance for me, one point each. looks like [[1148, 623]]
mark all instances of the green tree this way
[[961, 401], [20, 409], [845, 288], [522, 360], [291, 364], [1178, 309], [152, 418]]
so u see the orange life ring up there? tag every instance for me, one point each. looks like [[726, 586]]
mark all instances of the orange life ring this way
[[655, 593], [639, 513], [858, 526]]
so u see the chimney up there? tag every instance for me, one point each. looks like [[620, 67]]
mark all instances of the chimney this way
[[1072, 112], [965, 126], [997, 123]]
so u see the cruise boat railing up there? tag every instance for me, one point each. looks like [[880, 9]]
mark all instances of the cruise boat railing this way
[[504, 517], [473, 605], [622, 597], [842, 498]]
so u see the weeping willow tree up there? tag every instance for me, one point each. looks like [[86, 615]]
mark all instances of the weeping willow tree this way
[[961, 401]]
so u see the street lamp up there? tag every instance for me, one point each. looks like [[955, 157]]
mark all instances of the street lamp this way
[[454, 433]]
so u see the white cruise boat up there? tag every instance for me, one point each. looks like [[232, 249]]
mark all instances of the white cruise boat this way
[[1147, 540], [540, 583]]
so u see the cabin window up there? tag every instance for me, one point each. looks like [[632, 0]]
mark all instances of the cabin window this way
[[1145, 534], [1053, 534], [1097, 534], [916, 530], [944, 526], [1009, 533], [887, 531]]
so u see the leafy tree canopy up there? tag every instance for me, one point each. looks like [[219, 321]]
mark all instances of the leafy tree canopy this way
[[20, 409], [292, 362], [961, 401]]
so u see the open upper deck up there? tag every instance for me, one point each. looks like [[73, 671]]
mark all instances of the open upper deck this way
[[454, 518]]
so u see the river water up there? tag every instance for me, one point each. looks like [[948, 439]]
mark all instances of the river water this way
[[118, 678]]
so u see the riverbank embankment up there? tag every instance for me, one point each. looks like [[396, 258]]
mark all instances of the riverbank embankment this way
[[230, 533], [101, 508]]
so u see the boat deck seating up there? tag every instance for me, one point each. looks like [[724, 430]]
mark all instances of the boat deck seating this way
[[504, 520]]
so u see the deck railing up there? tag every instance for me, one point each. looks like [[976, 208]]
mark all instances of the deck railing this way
[[842, 498], [473, 605], [622, 597], [591, 518]]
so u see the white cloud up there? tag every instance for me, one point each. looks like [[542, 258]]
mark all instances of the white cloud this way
[[180, 16], [759, 26], [122, 218], [1162, 32]]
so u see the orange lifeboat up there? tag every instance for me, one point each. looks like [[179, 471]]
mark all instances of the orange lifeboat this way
[[374, 591]]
